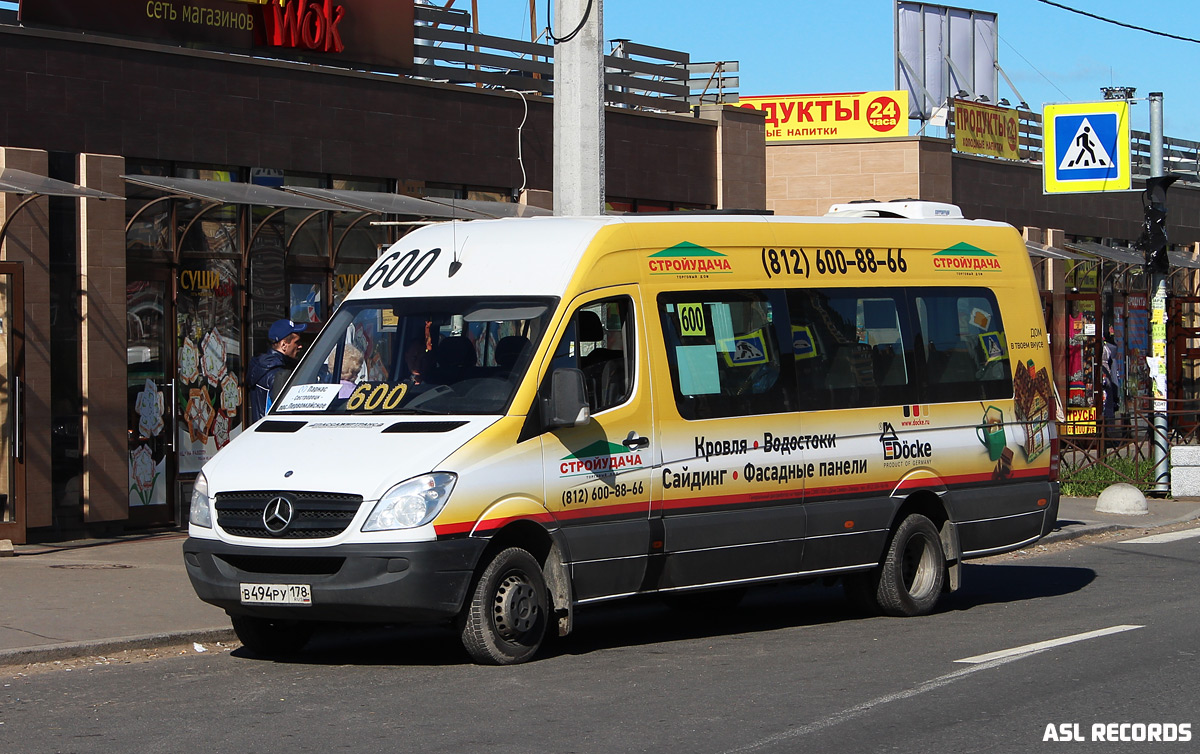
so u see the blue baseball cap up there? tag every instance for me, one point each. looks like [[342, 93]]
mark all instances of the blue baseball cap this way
[[282, 328]]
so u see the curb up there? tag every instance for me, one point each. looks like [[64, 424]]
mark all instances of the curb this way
[[1064, 535], [76, 649]]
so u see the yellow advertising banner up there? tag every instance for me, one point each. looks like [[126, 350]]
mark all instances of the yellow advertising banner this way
[[820, 117], [986, 130], [1080, 421]]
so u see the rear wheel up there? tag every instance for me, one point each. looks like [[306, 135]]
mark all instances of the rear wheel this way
[[914, 571], [271, 638], [910, 579], [505, 621]]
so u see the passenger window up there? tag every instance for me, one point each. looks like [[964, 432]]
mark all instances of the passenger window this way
[[850, 348], [599, 341], [965, 348], [724, 352]]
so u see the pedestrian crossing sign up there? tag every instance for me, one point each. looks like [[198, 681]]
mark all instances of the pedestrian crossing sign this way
[[1085, 147]]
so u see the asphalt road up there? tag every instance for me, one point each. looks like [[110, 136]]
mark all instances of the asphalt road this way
[[791, 670]]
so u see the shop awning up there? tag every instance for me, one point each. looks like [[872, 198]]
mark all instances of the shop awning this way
[[15, 181], [232, 193], [1049, 252], [493, 209], [384, 203], [1123, 255], [1181, 259]]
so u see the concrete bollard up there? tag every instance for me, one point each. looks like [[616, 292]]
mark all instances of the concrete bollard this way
[[1185, 471], [6, 548], [1122, 498]]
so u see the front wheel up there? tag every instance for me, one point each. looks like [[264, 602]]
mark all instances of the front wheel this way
[[505, 621], [271, 638]]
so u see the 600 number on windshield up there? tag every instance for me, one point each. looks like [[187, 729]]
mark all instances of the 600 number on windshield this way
[[370, 396]]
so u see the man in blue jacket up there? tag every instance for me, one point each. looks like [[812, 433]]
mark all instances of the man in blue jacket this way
[[279, 358]]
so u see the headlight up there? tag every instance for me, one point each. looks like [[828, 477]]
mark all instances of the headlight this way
[[201, 513], [411, 503]]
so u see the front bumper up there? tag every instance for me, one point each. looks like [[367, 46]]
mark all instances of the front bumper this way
[[395, 583]]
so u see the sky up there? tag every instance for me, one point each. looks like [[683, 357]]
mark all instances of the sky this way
[[813, 46]]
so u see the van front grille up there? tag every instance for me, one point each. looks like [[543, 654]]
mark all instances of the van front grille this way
[[292, 515]]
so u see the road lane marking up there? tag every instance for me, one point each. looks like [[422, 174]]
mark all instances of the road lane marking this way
[[861, 709], [977, 664], [1171, 536], [1043, 645]]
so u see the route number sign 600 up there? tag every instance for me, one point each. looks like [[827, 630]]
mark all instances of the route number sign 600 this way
[[406, 267]]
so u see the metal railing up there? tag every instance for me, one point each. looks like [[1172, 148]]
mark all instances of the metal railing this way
[[1096, 453], [635, 75], [1180, 156]]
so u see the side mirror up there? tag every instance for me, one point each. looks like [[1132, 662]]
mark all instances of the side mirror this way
[[567, 405]]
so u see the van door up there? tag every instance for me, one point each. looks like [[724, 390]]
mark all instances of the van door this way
[[734, 468], [597, 475]]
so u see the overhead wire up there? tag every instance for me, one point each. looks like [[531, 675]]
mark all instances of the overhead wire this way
[[1118, 23], [1034, 67], [587, 12]]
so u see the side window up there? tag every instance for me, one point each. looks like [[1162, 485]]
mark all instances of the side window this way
[[724, 350], [965, 348], [599, 340], [851, 348]]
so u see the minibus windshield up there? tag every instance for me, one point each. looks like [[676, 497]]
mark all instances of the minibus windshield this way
[[418, 356]]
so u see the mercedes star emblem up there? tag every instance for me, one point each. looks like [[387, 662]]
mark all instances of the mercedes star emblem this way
[[277, 516]]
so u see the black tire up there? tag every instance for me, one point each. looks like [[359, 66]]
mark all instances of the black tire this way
[[913, 574], [267, 637], [505, 621], [711, 600]]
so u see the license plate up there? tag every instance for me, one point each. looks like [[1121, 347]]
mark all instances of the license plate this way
[[276, 594]]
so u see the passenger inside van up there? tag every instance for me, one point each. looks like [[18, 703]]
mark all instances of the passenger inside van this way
[[603, 367], [509, 352], [455, 357]]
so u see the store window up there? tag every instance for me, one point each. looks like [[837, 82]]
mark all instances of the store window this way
[[208, 393]]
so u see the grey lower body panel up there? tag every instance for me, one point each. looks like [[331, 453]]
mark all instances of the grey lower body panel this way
[[999, 518], [401, 583]]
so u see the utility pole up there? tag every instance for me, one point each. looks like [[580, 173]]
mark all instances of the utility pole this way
[[578, 29], [1154, 243]]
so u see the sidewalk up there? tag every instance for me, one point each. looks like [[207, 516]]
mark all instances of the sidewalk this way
[[93, 597], [102, 596]]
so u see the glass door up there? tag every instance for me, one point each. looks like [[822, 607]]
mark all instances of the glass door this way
[[149, 380], [12, 430]]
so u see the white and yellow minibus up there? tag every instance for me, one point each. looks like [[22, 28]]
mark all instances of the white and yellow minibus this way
[[508, 420]]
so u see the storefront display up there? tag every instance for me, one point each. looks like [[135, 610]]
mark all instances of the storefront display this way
[[1137, 348], [1081, 353], [208, 396], [148, 386]]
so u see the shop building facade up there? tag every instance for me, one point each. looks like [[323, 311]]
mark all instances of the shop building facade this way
[[245, 191], [1093, 284]]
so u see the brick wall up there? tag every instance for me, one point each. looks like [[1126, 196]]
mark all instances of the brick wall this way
[[805, 179], [67, 95], [103, 361]]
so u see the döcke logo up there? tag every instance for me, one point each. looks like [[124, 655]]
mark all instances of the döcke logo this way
[[894, 450]]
